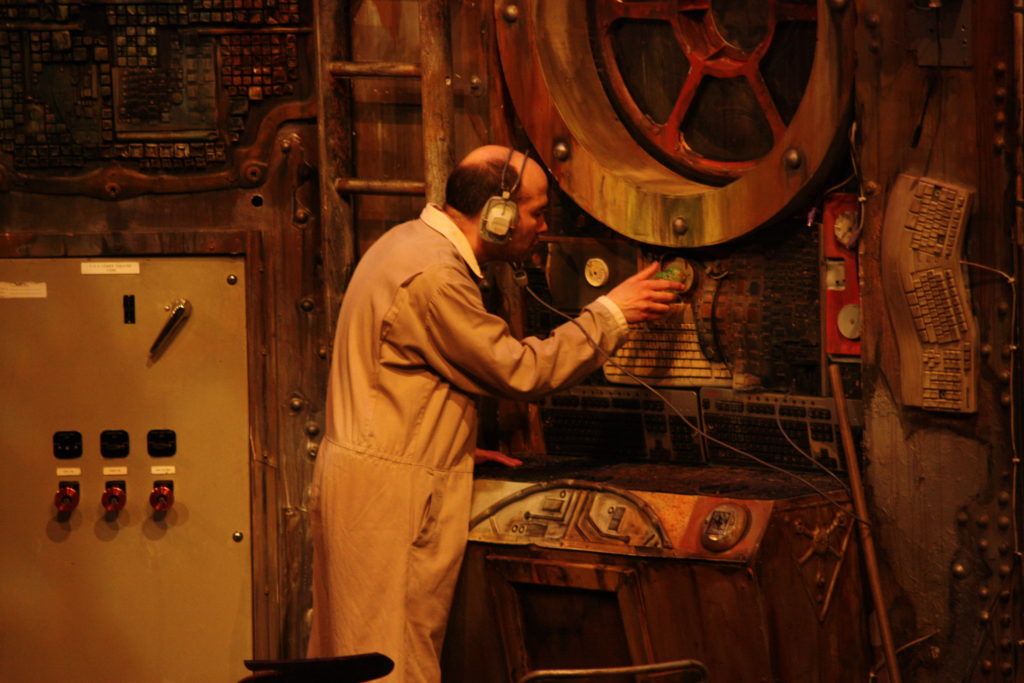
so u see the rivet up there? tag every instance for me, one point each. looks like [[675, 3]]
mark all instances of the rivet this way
[[312, 452], [511, 13], [873, 20], [959, 570], [1004, 376], [295, 404], [253, 172], [286, 145], [986, 350], [232, 279], [476, 85], [1005, 399], [1004, 569], [984, 616], [1003, 522], [1004, 595], [112, 190], [874, 45], [1000, 94], [323, 351], [986, 666], [679, 225], [1004, 549], [982, 520], [1006, 668], [302, 216], [962, 517], [1005, 619], [307, 304], [793, 157], [984, 592], [561, 150], [237, 537], [983, 544], [312, 428], [1005, 644], [1000, 68], [1000, 118], [1006, 351], [871, 188], [1004, 498], [999, 143], [1003, 307]]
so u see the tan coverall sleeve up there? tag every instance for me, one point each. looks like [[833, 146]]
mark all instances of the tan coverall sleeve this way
[[477, 352]]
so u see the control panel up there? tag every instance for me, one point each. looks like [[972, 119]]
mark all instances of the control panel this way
[[132, 470]]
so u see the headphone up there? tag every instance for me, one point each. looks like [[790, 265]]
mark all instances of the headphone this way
[[500, 214]]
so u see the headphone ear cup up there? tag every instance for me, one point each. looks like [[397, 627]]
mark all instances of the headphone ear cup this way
[[498, 219]]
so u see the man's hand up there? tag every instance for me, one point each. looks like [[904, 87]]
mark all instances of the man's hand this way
[[482, 455], [642, 298]]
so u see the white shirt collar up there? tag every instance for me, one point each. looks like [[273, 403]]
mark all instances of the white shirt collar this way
[[433, 216]]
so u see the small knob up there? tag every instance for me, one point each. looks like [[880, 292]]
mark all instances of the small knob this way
[[66, 499], [161, 498], [114, 499]]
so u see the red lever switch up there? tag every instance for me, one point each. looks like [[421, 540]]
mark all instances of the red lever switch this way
[[66, 499], [161, 498], [114, 497]]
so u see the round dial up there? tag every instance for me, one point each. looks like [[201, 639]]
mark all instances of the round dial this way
[[596, 272], [848, 321], [724, 527]]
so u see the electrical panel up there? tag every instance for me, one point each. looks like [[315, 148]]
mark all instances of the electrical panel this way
[[124, 443]]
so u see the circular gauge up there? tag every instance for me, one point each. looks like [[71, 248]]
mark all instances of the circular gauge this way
[[724, 527], [596, 272], [848, 321], [679, 270], [718, 115]]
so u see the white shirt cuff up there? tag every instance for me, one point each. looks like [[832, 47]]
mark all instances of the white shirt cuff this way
[[614, 309]]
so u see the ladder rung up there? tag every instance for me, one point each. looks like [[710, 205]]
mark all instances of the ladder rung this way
[[367, 186], [371, 69]]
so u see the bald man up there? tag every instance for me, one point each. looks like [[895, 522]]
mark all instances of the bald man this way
[[413, 349]]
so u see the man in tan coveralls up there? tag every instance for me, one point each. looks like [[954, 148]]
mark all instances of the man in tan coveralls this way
[[413, 348]]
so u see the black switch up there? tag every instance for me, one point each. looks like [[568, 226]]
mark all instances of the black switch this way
[[67, 445], [162, 443], [128, 303], [114, 443]]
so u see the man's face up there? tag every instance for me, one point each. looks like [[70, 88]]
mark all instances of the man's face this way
[[533, 203]]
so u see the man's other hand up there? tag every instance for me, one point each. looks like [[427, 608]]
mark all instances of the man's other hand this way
[[481, 455], [642, 298]]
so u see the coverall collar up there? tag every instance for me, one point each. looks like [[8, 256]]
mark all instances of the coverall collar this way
[[433, 216]]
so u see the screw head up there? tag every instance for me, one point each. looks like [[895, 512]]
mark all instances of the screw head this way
[[232, 279], [511, 13], [793, 157], [237, 537], [561, 151], [679, 225]]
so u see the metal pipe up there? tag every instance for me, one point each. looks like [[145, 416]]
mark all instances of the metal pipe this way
[[383, 69], [378, 186], [860, 507], [436, 82], [660, 667]]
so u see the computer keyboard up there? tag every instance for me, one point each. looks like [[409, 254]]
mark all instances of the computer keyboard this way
[[927, 296], [755, 423], [667, 354], [620, 424]]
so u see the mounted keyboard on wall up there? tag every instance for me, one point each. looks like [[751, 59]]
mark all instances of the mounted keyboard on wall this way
[[927, 296]]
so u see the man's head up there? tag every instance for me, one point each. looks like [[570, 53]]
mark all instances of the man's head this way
[[477, 178]]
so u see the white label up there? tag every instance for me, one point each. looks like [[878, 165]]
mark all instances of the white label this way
[[69, 471], [113, 471], [110, 268], [162, 469], [22, 290]]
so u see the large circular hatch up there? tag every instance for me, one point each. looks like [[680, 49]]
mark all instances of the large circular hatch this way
[[681, 123]]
